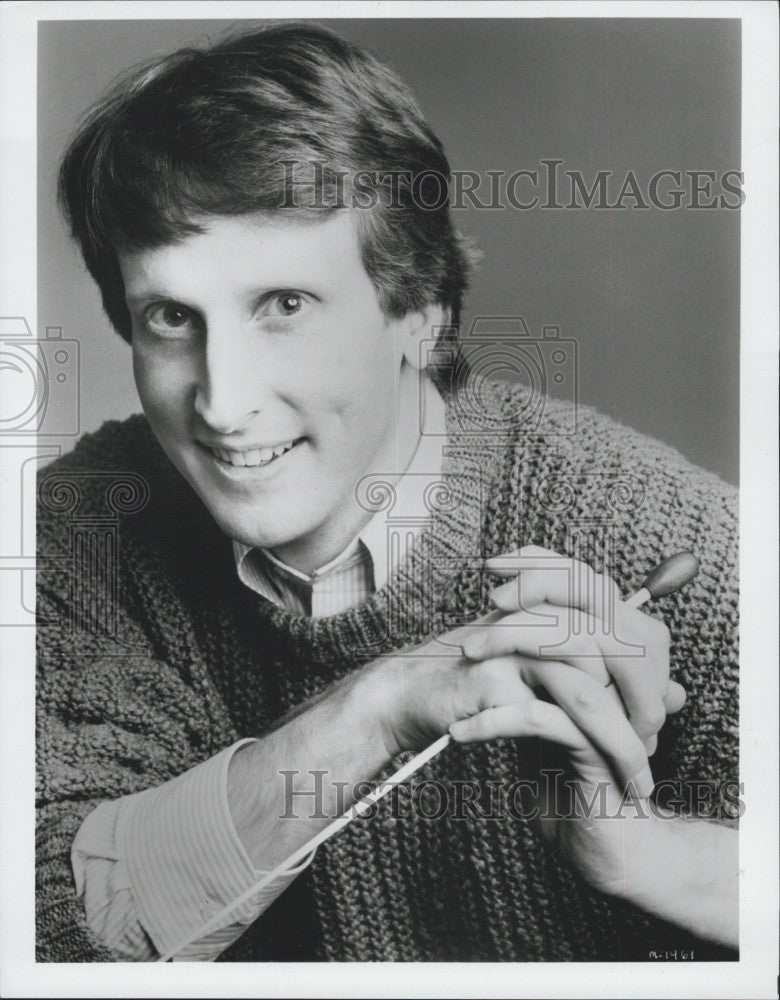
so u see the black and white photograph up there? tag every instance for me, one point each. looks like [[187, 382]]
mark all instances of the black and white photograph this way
[[389, 451]]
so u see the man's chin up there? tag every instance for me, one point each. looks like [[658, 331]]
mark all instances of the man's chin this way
[[240, 521], [248, 532], [252, 537]]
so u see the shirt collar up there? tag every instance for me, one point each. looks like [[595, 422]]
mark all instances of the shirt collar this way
[[409, 505]]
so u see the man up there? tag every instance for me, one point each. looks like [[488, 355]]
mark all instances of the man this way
[[303, 592]]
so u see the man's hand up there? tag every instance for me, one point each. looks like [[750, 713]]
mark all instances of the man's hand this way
[[560, 629], [587, 826], [615, 644]]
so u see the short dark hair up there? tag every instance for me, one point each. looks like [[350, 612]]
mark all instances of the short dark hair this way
[[213, 131]]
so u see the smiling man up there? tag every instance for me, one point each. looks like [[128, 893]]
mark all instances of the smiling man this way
[[267, 368], [270, 644]]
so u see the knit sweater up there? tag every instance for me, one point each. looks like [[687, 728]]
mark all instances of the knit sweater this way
[[152, 657]]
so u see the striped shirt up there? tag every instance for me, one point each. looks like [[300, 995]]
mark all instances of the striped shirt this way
[[155, 866]]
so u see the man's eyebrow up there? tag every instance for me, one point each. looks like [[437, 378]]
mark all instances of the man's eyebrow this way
[[151, 295], [307, 286]]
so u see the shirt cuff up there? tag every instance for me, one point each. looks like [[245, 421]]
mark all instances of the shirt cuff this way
[[185, 861]]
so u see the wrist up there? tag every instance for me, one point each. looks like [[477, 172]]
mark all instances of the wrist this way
[[375, 702], [689, 875], [646, 855]]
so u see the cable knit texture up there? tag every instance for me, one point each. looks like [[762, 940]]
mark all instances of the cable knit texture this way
[[153, 657]]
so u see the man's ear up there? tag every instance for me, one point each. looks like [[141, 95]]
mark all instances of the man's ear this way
[[417, 328]]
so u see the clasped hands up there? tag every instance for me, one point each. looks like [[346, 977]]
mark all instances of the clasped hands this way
[[558, 628], [560, 658], [567, 633]]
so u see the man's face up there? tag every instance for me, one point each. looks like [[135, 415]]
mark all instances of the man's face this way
[[271, 377]]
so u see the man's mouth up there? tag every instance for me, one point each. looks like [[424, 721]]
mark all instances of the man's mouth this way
[[255, 458]]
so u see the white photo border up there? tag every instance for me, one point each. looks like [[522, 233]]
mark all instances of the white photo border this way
[[754, 975]]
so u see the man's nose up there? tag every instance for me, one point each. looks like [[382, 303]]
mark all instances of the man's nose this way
[[229, 390]]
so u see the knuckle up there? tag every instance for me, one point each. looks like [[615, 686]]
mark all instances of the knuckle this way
[[473, 645], [649, 722], [587, 698], [593, 578], [608, 582], [655, 717], [498, 679], [580, 578], [493, 669], [660, 633]]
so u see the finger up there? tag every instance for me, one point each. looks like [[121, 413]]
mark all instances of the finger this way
[[518, 635], [494, 682], [548, 630], [532, 718], [633, 651], [675, 698], [591, 707], [638, 690], [533, 555], [636, 655], [536, 575], [571, 635]]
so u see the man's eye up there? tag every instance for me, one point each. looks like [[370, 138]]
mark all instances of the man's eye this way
[[286, 304], [168, 318]]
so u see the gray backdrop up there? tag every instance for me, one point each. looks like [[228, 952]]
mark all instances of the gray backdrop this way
[[652, 297]]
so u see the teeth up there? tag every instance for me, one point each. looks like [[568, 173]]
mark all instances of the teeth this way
[[258, 457]]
